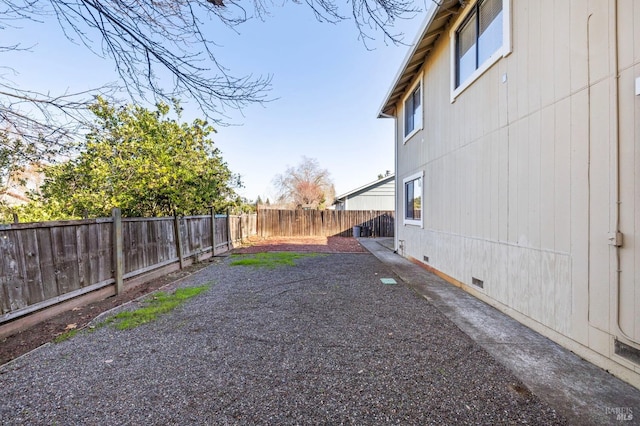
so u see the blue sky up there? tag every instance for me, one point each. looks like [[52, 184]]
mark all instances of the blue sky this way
[[327, 87]]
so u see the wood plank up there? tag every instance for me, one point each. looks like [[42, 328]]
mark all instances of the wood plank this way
[[91, 245], [128, 248], [179, 238], [33, 276], [53, 224], [105, 252], [146, 244], [65, 260], [10, 281], [82, 256], [47, 264]]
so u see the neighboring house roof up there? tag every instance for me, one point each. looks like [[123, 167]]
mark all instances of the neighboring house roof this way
[[433, 27], [377, 182]]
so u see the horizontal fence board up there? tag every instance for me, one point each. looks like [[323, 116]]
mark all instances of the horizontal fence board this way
[[54, 224]]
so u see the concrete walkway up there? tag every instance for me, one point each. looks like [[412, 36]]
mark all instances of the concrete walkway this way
[[577, 389]]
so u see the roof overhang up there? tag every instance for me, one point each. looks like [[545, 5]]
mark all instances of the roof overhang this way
[[376, 182], [435, 23]]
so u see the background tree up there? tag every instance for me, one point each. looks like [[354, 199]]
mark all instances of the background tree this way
[[19, 161], [306, 184], [143, 162], [13, 157]]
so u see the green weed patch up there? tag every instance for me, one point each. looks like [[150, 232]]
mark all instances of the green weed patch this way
[[158, 304], [65, 336], [269, 260], [155, 305]]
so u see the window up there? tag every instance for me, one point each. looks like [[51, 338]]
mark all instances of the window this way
[[479, 41], [413, 200], [413, 111]]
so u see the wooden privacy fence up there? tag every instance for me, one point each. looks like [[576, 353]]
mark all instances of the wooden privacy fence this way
[[325, 223], [45, 264], [42, 264]]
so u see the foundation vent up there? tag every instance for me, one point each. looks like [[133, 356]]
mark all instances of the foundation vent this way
[[425, 258], [626, 351], [477, 282]]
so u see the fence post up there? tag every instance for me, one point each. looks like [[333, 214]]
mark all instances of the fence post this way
[[228, 230], [176, 226], [118, 257], [213, 232], [257, 220]]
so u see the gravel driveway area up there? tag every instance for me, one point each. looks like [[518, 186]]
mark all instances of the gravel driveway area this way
[[322, 342]]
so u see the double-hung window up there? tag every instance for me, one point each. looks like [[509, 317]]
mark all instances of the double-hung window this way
[[413, 111], [480, 39], [413, 199]]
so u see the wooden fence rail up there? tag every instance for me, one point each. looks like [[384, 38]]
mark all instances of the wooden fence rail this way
[[325, 223], [43, 264]]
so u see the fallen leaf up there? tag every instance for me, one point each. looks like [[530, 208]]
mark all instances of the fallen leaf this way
[[76, 309], [71, 326]]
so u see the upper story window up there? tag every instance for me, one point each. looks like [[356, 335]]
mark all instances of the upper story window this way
[[479, 40], [413, 111]]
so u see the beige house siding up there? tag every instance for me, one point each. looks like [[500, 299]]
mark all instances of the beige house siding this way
[[378, 195], [521, 175]]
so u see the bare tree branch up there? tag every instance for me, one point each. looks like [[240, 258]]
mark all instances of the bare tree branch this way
[[306, 184], [148, 40]]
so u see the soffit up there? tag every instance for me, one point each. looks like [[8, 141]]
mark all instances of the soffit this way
[[433, 28]]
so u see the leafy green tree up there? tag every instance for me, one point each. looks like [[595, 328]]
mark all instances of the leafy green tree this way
[[143, 162], [35, 211]]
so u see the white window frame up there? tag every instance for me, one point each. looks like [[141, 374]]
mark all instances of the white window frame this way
[[502, 52], [417, 126], [406, 221]]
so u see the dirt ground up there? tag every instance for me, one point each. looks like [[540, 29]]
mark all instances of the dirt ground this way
[[20, 343], [303, 244]]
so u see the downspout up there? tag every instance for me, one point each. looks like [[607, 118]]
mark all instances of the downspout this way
[[395, 171], [615, 239]]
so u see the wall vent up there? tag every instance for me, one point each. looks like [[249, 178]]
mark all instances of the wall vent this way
[[425, 258], [477, 282], [626, 351]]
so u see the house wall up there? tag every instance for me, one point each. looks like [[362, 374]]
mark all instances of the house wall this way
[[521, 175], [381, 197]]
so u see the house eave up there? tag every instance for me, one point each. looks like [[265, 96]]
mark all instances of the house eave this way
[[380, 181], [433, 27]]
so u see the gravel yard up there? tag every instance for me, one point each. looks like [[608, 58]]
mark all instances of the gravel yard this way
[[322, 342]]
